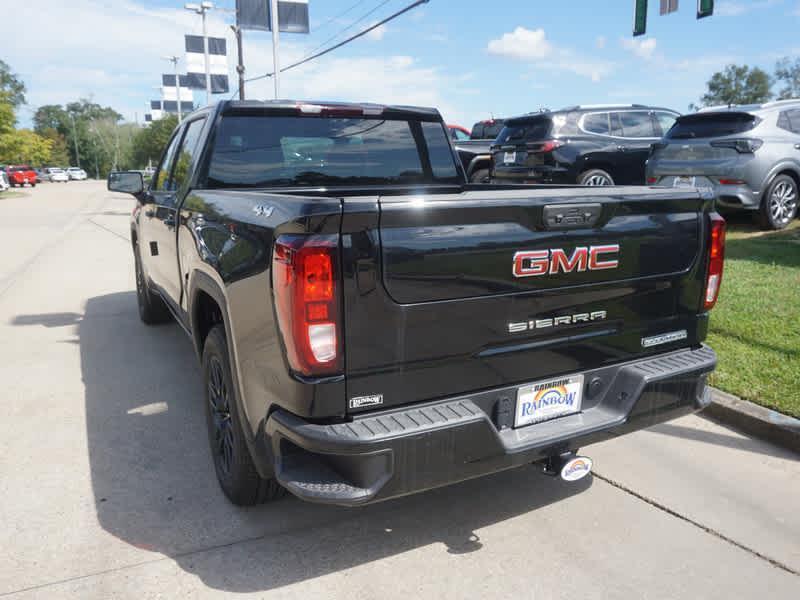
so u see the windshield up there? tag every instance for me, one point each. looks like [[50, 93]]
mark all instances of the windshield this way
[[523, 131], [707, 125], [265, 150]]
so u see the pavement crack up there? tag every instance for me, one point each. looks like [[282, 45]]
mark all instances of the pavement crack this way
[[111, 231], [709, 530]]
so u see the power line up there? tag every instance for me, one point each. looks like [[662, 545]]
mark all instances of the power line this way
[[350, 26], [347, 41], [340, 15]]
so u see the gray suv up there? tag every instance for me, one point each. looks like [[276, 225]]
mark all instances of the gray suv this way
[[749, 155]]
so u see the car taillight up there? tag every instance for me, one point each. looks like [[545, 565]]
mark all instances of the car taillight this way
[[304, 282], [716, 258], [652, 180], [731, 181], [745, 146], [546, 146]]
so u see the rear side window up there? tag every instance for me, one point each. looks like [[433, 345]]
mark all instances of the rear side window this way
[[708, 125], [665, 121], [486, 130], [637, 125], [523, 131], [258, 150], [790, 120], [596, 123]]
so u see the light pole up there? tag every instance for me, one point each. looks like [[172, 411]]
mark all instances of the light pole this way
[[276, 67], [174, 60], [201, 9], [75, 139]]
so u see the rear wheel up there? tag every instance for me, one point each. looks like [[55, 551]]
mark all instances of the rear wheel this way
[[233, 464], [480, 176], [779, 204], [595, 177], [152, 309]]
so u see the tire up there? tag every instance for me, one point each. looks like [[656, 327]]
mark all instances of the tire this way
[[152, 309], [236, 473], [479, 176], [595, 177], [779, 203]]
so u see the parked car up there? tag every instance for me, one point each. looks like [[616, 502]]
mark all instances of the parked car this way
[[749, 156], [41, 175], [458, 133], [57, 175], [3, 181], [487, 129], [21, 175], [76, 173], [589, 144], [368, 325]]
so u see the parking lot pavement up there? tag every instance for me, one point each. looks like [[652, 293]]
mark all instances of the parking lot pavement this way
[[108, 490]]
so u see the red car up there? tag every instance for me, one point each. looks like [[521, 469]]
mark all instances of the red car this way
[[457, 132], [20, 175]]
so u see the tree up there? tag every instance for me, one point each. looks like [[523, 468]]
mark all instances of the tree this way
[[11, 85], [24, 146], [51, 116], [738, 84], [59, 154], [789, 73], [150, 142], [7, 117]]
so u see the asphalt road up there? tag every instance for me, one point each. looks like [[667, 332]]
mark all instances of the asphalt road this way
[[107, 489]]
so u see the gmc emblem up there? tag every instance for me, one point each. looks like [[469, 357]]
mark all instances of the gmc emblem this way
[[532, 263]]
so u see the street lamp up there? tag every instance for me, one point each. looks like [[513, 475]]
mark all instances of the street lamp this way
[[201, 9], [174, 60]]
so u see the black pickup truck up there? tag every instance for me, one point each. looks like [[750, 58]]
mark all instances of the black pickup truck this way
[[370, 324]]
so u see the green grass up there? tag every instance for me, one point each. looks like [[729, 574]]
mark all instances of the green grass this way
[[9, 194], [755, 327]]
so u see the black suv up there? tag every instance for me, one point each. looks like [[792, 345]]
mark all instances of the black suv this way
[[589, 145]]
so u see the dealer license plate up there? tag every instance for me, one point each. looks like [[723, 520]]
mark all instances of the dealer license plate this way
[[548, 399], [683, 181], [510, 157]]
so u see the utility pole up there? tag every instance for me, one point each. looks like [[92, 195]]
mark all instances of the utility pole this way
[[240, 59], [75, 140], [201, 9], [276, 68], [174, 60]]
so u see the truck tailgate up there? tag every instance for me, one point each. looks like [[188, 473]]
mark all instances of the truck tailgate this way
[[495, 286]]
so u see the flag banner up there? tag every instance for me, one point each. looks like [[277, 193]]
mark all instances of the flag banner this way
[[254, 14], [168, 80], [148, 118], [293, 16], [196, 63], [155, 104], [171, 107], [171, 93], [219, 84], [156, 115], [668, 6], [216, 46]]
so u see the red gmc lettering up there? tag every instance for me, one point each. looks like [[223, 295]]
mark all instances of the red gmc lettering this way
[[533, 263]]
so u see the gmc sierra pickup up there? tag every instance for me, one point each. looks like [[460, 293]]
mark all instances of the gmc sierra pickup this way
[[370, 325]]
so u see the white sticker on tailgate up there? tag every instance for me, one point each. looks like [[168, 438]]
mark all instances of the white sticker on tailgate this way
[[548, 399]]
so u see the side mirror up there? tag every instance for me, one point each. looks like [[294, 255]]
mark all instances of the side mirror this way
[[127, 182]]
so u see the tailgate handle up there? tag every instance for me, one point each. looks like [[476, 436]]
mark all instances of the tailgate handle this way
[[571, 216]]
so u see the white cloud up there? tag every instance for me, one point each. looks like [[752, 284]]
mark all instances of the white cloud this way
[[532, 46], [643, 48], [377, 34]]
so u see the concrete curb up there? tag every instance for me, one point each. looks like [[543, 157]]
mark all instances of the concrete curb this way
[[774, 427]]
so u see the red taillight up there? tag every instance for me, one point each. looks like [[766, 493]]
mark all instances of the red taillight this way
[[304, 280], [716, 259], [546, 146], [652, 180], [731, 181]]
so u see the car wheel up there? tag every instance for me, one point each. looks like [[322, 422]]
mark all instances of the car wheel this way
[[233, 464], [480, 176], [595, 177], [152, 309], [779, 204]]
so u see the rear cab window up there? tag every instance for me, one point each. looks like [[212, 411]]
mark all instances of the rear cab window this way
[[268, 150], [711, 124], [523, 131]]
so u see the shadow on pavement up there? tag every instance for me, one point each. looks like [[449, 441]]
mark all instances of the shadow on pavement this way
[[154, 485], [736, 442]]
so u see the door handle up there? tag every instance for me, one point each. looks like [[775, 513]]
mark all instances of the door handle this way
[[622, 148], [150, 213], [797, 146]]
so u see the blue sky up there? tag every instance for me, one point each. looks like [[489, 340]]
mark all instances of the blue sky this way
[[469, 58]]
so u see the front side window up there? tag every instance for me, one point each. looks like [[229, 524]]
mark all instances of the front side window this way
[[258, 150], [188, 151], [162, 182], [637, 125], [459, 135]]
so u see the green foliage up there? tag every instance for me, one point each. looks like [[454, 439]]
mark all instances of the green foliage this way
[[150, 142], [24, 146], [788, 73], [738, 84], [7, 118], [11, 86], [59, 155]]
